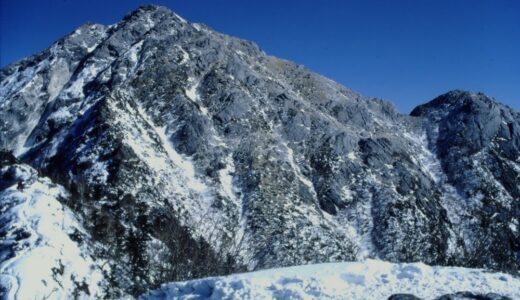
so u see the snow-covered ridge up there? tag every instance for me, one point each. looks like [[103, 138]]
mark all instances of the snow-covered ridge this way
[[45, 253], [371, 279]]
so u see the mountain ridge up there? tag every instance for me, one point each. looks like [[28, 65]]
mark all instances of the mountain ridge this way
[[171, 137]]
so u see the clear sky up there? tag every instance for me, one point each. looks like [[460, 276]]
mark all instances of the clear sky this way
[[405, 51]]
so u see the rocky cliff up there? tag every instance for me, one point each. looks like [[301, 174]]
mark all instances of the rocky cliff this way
[[184, 152]]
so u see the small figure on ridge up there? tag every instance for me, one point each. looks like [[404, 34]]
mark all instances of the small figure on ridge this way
[[20, 186]]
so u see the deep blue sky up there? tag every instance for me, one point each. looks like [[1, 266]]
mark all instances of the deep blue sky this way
[[405, 51]]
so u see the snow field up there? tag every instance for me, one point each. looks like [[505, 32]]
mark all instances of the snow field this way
[[370, 279]]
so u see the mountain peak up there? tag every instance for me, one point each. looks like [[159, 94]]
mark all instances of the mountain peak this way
[[186, 153], [154, 13], [150, 8], [452, 99]]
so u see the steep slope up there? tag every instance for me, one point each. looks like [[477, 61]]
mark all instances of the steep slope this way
[[45, 251], [190, 153], [477, 142]]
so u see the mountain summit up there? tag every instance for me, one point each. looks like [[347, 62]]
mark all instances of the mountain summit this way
[[165, 151]]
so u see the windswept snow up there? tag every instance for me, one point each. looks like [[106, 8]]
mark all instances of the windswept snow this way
[[371, 279]]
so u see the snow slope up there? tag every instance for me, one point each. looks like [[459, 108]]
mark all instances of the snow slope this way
[[44, 249], [371, 279]]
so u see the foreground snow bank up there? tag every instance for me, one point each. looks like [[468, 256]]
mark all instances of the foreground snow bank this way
[[370, 279]]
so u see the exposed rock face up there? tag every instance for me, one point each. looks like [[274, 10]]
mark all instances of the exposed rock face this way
[[403, 297], [455, 296], [187, 152], [470, 295], [477, 141]]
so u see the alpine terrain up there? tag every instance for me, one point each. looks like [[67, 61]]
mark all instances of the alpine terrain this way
[[157, 150]]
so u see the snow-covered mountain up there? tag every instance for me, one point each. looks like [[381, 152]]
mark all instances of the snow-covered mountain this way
[[176, 152]]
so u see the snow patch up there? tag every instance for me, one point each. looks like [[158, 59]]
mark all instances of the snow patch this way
[[352, 155], [185, 56], [89, 48], [192, 94], [99, 172], [346, 193], [134, 50], [451, 200], [139, 140], [297, 171], [185, 164], [183, 21], [61, 115], [75, 90], [427, 160], [514, 226], [226, 178], [173, 172], [60, 75]]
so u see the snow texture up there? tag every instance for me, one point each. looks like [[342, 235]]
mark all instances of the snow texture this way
[[370, 279], [41, 255]]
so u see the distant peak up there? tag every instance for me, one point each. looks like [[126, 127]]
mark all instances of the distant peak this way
[[153, 11], [459, 95], [463, 94], [452, 99], [151, 8]]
